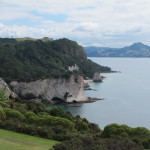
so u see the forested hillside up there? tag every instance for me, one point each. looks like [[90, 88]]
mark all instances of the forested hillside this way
[[28, 60]]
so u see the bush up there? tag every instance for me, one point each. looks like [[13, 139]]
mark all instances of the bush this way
[[55, 121], [146, 143], [31, 117], [35, 106], [3, 99], [3, 95], [94, 128], [88, 143], [57, 111], [114, 130], [81, 126], [10, 113], [141, 131]]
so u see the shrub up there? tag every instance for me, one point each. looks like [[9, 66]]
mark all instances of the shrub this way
[[57, 111], [94, 128], [3, 96], [141, 131], [36, 107], [31, 117], [10, 113], [88, 143], [146, 143], [81, 125], [55, 121], [3, 99], [114, 130]]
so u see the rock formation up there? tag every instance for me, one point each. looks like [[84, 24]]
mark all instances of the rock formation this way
[[65, 90], [86, 85], [73, 68], [9, 93], [97, 77]]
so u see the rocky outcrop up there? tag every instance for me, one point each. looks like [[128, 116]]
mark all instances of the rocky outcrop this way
[[97, 77], [86, 85], [73, 68], [66, 90], [9, 93]]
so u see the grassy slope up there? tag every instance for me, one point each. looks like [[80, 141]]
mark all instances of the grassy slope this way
[[26, 38], [16, 141]]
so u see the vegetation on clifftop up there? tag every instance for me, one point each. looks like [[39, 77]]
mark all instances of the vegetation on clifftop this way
[[29, 60]]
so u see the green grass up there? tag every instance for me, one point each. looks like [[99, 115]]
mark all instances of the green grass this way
[[16, 141], [26, 38]]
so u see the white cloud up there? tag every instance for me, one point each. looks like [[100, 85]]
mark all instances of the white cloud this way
[[90, 22], [1, 25]]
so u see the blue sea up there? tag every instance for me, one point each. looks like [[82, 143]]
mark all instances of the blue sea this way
[[126, 94]]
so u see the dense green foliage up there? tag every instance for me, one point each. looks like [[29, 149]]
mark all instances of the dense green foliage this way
[[33, 118], [113, 137], [32, 60], [95, 143], [3, 99], [138, 135], [3, 96]]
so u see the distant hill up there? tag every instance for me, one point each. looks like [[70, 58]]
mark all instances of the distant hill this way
[[29, 59], [45, 39], [134, 50]]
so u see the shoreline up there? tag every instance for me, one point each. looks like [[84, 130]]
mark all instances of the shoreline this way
[[88, 81], [79, 103]]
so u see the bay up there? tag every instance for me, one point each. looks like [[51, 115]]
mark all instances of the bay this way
[[127, 94]]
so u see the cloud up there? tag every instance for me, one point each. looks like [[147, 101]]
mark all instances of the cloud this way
[[90, 22]]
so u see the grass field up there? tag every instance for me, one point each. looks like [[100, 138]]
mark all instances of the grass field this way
[[16, 141]]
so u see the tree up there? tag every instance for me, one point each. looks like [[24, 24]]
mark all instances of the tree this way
[[3, 100]]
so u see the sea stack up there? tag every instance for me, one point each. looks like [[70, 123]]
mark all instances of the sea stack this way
[[97, 77]]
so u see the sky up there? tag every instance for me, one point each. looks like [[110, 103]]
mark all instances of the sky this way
[[108, 23]]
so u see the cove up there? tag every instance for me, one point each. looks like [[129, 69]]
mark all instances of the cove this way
[[127, 94]]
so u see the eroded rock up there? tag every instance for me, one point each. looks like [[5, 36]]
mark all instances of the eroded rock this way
[[9, 93], [67, 90], [97, 77]]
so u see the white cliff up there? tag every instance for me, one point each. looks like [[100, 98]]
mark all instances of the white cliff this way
[[67, 90], [4, 86]]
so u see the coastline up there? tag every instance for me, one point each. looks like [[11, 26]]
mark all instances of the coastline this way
[[88, 81]]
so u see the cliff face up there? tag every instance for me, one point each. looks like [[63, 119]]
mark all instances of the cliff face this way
[[67, 90], [9, 93]]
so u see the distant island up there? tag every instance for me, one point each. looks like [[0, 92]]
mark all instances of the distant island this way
[[135, 50]]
